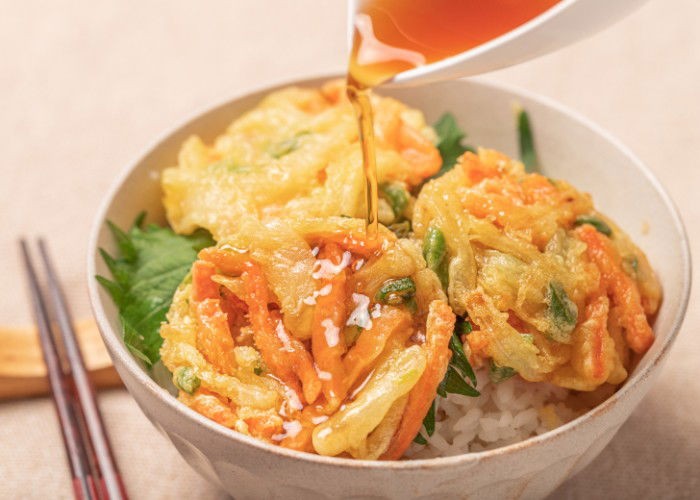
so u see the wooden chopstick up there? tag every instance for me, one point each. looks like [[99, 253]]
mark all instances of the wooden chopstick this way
[[22, 368], [111, 480], [66, 407]]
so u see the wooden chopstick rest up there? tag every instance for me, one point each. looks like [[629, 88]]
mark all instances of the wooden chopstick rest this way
[[22, 369]]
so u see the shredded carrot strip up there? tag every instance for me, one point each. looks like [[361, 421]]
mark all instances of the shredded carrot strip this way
[[418, 151], [212, 407], [505, 186], [264, 426], [439, 327], [285, 356], [300, 360], [475, 170], [516, 322], [597, 312], [327, 343], [237, 312], [371, 343], [231, 303], [621, 288], [266, 340], [228, 261], [353, 242], [202, 285], [214, 339], [537, 188], [302, 441], [496, 206]]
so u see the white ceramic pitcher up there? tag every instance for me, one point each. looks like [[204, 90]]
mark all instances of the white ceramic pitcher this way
[[565, 23]]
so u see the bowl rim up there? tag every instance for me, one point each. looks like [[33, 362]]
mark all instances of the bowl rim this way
[[121, 355]]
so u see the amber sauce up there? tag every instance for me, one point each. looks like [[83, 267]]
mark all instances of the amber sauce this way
[[392, 36]]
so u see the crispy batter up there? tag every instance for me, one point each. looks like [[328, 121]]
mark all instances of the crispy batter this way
[[214, 338], [439, 327], [327, 343], [283, 331], [621, 287]]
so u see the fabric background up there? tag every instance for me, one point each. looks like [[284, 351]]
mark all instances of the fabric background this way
[[84, 86]]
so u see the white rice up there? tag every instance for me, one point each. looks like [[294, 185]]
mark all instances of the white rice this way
[[505, 413]]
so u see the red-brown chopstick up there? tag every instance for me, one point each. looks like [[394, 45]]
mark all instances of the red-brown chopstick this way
[[81, 423], [111, 481], [66, 409]]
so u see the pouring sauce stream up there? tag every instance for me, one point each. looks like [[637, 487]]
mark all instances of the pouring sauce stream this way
[[392, 36]]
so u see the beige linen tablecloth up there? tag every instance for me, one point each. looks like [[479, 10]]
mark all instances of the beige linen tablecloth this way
[[85, 85]]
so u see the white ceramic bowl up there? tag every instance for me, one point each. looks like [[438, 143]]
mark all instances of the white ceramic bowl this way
[[570, 148]]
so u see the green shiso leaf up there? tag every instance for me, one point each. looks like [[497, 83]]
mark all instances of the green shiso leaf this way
[[429, 421], [450, 145], [420, 439], [563, 313], [498, 373], [528, 153], [459, 359], [598, 223], [454, 382], [150, 264]]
